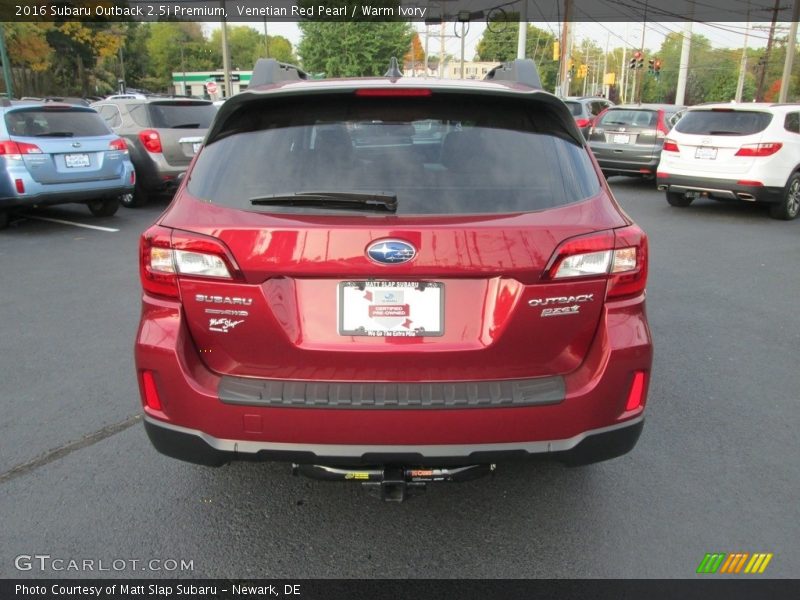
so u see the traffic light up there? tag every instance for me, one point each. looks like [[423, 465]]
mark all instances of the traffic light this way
[[651, 66], [657, 67], [639, 60], [571, 65], [632, 63], [583, 71]]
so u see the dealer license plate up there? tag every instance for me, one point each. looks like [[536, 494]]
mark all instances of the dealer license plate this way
[[391, 308], [706, 153], [76, 160]]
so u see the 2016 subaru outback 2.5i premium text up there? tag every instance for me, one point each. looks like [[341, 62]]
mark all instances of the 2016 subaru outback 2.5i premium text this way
[[335, 287]]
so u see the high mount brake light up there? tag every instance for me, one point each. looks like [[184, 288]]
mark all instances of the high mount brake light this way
[[763, 149], [166, 255], [388, 92], [619, 254]]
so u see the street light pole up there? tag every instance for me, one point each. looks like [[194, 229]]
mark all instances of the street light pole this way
[[6, 65], [791, 48]]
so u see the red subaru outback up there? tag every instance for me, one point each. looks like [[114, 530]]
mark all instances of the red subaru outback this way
[[393, 281]]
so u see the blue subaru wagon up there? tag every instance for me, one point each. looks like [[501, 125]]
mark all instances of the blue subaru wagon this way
[[52, 153]]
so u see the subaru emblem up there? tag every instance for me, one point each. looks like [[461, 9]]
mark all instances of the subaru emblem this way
[[391, 252]]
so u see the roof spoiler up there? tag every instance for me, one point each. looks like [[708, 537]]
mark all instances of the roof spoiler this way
[[522, 71], [269, 71]]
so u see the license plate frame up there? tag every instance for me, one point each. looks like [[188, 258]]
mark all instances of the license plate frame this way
[[621, 138], [390, 308], [705, 153], [77, 160]]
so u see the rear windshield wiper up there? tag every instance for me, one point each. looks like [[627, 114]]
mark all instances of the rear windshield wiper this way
[[55, 134], [343, 200], [723, 133]]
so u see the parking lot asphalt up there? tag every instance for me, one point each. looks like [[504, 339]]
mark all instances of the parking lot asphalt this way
[[716, 469]]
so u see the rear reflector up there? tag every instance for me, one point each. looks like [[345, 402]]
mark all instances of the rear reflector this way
[[386, 92], [636, 394], [764, 149], [151, 398], [20, 186], [133, 177], [662, 175], [645, 171], [749, 183]]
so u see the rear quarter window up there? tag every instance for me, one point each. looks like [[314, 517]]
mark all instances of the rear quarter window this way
[[438, 155], [723, 122], [55, 122], [574, 108]]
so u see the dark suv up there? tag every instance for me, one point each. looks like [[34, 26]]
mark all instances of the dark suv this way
[[585, 109], [627, 139], [163, 135], [393, 281]]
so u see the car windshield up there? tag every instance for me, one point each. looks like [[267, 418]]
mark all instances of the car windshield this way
[[55, 122], [723, 122], [181, 115], [436, 155], [629, 117]]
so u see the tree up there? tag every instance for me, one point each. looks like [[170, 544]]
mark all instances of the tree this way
[[177, 46], [499, 43], [416, 55], [353, 48], [246, 46]]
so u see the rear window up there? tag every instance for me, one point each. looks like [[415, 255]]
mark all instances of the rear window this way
[[55, 122], [629, 117], [438, 156], [181, 115], [723, 122], [574, 108]]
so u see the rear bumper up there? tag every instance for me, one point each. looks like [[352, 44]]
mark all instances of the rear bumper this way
[[624, 161], [200, 448], [728, 189], [205, 419]]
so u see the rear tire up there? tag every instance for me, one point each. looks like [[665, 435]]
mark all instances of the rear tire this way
[[135, 199], [788, 208], [103, 207], [3, 219], [676, 199]]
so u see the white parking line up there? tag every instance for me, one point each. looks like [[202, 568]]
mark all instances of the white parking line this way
[[97, 227]]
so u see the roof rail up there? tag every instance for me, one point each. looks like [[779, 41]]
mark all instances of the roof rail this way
[[522, 71], [269, 70]]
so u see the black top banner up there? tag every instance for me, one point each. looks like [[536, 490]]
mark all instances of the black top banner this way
[[402, 10]]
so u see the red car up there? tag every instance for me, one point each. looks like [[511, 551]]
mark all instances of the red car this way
[[393, 281]]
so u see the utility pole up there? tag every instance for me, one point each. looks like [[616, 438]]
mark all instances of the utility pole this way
[[427, 35], [624, 68], [463, 35], [605, 89], [586, 62], [639, 73], [743, 63], [226, 59], [266, 39], [791, 46], [522, 38], [441, 49], [683, 68], [562, 65], [6, 65], [765, 60]]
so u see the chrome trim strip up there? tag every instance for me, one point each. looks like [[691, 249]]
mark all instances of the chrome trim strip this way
[[690, 188], [427, 451]]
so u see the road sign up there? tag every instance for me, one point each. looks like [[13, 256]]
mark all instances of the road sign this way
[[211, 87]]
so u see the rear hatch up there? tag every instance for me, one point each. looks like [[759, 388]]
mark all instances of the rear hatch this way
[[709, 139], [385, 260], [628, 135], [64, 144], [181, 126]]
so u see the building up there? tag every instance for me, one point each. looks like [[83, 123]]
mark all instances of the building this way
[[193, 83]]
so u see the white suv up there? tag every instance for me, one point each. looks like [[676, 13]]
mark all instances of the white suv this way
[[735, 151]]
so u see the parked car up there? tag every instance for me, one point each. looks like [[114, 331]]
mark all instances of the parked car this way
[[163, 134], [627, 139], [405, 309], [585, 109], [747, 152], [53, 153]]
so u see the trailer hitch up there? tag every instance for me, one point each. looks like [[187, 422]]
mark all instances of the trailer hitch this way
[[395, 483]]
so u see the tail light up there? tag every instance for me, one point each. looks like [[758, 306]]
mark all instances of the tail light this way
[[764, 149], [670, 146], [166, 255], [118, 144], [583, 122], [661, 125], [621, 255], [15, 150], [133, 177], [150, 140]]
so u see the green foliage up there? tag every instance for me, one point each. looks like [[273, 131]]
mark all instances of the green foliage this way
[[499, 43], [353, 49], [175, 46]]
